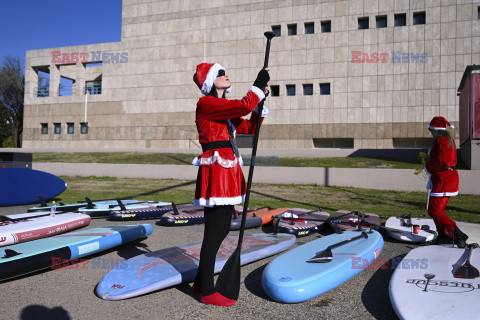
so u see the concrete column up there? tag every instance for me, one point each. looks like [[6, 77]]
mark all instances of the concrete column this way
[[54, 80], [80, 79], [31, 82]]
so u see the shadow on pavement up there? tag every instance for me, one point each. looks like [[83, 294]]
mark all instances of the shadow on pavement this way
[[38, 312]]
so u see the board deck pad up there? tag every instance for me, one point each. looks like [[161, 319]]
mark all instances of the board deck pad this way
[[300, 227], [349, 221], [257, 217], [407, 235], [21, 186], [171, 266], [36, 225], [45, 253], [289, 278], [423, 285]]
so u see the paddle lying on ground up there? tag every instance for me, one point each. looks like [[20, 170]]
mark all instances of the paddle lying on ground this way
[[228, 282], [467, 271], [327, 256]]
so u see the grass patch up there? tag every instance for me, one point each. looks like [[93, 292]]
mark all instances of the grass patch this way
[[384, 203], [186, 159]]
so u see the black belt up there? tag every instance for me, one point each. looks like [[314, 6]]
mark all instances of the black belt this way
[[216, 145], [449, 169]]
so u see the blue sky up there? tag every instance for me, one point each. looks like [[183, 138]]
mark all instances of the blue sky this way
[[38, 24]]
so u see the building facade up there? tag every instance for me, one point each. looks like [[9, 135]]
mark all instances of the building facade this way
[[349, 74]]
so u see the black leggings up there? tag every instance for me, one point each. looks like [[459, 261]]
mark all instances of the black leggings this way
[[217, 226]]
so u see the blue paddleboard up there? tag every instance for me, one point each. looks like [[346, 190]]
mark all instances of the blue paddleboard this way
[[290, 279], [20, 186], [24, 258], [76, 206], [167, 267]]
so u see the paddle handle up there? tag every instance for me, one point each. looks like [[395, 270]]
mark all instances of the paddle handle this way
[[341, 243]]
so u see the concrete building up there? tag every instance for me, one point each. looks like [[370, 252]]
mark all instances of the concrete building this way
[[352, 74]]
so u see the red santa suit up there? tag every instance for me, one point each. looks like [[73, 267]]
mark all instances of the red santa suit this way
[[443, 177], [220, 178]]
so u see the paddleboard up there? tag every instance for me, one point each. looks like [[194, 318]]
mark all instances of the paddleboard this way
[[257, 217], [21, 186], [76, 206], [290, 279], [186, 215], [167, 267], [36, 225], [49, 252], [349, 221], [298, 226], [407, 226], [102, 211], [423, 285]]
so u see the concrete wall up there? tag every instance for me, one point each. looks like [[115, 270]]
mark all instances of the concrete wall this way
[[149, 101]]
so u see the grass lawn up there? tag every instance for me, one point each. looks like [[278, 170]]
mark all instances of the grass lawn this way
[[180, 159], [384, 203]]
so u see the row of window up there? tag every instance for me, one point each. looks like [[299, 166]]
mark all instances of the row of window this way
[[57, 128], [307, 89], [400, 19]]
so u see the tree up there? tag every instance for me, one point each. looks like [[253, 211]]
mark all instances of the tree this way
[[12, 90], [5, 128]]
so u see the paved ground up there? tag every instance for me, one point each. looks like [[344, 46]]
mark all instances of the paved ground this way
[[69, 293]]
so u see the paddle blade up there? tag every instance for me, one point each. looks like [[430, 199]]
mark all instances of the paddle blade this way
[[322, 257], [228, 282], [467, 271]]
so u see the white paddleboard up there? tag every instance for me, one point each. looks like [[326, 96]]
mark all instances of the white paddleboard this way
[[408, 235], [36, 225], [423, 285]]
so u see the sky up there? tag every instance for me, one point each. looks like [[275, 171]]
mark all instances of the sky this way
[[39, 24]]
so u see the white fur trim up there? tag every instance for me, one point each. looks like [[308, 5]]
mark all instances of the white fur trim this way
[[210, 79], [265, 111], [225, 163], [258, 92], [435, 128], [443, 194], [452, 126], [218, 201]]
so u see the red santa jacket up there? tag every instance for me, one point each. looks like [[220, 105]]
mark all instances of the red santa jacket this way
[[443, 158], [220, 178]]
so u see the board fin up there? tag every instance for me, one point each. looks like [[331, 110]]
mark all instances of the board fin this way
[[122, 206], [10, 253], [175, 210], [90, 203], [43, 202]]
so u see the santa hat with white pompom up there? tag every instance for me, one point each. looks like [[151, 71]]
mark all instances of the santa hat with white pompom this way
[[440, 123]]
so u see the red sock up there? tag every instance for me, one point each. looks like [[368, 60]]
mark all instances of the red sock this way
[[196, 288], [218, 300]]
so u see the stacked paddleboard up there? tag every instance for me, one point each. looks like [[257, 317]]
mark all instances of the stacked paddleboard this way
[[301, 222], [348, 220], [289, 278], [426, 229], [30, 226], [167, 267], [256, 218], [76, 206], [423, 285], [24, 258]]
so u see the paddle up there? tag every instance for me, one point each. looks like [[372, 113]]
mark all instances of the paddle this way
[[327, 256], [467, 271], [228, 282]]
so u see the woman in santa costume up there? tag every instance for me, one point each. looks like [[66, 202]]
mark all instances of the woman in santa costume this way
[[220, 182], [443, 182]]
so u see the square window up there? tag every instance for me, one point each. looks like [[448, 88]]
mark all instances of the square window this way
[[275, 91], [400, 19], [324, 88], [418, 18], [326, 26], [309, 28], [83, 128], [381, 22], [290, 89], [57, 128], [308, 89], [277, 31], [70, 128], [292, 29], [44, 128], [362, 23]]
